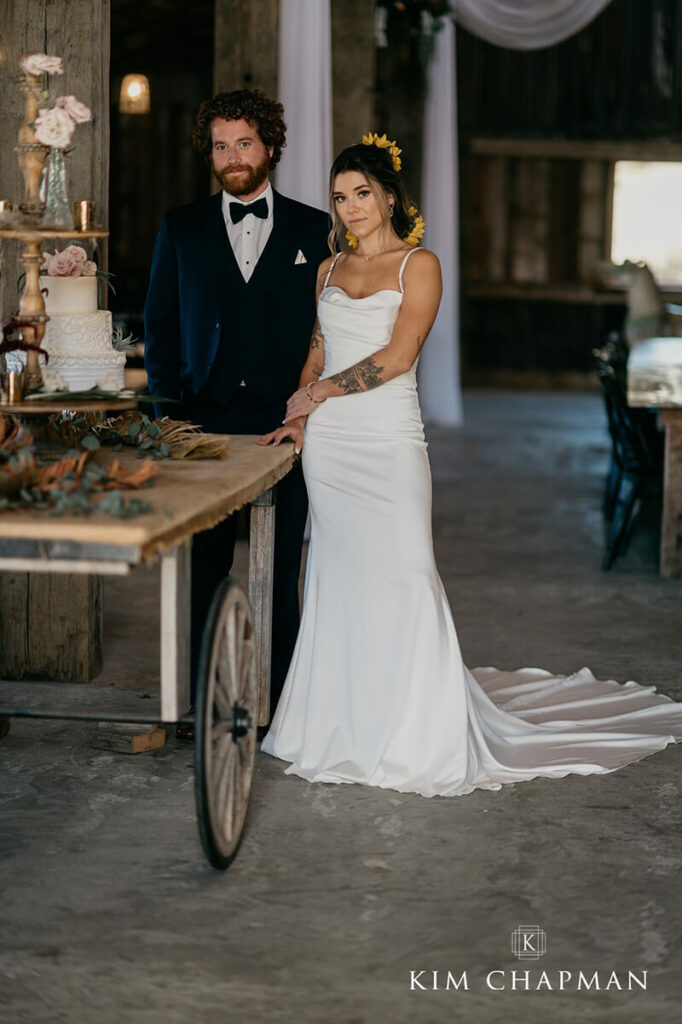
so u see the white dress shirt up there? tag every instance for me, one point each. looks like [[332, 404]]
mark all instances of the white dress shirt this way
[[249, 237]]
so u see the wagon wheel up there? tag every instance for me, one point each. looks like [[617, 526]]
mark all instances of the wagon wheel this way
[[225, 725]]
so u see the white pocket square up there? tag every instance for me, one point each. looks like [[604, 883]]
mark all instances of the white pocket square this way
[[300, 258]]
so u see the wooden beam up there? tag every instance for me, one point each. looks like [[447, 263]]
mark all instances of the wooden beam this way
[[246, 44], [578, 149], [353, 70]]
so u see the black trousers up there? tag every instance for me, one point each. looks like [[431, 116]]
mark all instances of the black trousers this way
[[213, 551]]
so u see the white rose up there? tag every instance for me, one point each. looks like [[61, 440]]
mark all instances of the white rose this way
[[47, 256], [76, 110], [88, 269], [108, 384], [41, 63], [78, 253], [54, 128], [53, 381]]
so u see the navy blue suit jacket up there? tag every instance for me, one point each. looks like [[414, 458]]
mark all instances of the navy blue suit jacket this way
[[198, 302]]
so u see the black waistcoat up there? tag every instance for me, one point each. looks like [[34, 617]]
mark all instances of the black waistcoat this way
[[265, 324]]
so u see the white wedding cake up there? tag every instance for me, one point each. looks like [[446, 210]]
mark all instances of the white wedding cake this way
[[78, 339], [78, 336]]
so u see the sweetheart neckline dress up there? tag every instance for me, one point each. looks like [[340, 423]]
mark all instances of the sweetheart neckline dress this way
[[377, 692]]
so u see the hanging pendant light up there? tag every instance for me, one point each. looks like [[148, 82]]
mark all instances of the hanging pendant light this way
[[134, 97]]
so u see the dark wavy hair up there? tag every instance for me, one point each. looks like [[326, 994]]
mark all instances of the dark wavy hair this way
[[377, 166], [252, 105]]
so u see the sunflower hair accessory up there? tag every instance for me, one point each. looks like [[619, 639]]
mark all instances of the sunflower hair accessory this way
[[382, 142], [418, 226]]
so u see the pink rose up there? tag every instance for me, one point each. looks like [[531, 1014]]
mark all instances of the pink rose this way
[[62, 264], [88, 269], [78, 253], [42, 64], [54, 128], [76, 110]]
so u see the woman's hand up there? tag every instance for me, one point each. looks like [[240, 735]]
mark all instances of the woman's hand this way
[[300, 404], [291, 431]]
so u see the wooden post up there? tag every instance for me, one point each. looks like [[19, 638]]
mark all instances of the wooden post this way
[[353, 70], [175, 631], [246, 45], [261, 565], [52, 624], [671, 527]]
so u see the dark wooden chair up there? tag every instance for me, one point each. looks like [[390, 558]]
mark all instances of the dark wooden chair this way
[[636, 470]]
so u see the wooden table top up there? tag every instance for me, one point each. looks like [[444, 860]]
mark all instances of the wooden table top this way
[[187, 496], [655, 373]]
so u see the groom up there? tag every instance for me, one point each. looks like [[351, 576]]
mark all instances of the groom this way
[[228, 319]]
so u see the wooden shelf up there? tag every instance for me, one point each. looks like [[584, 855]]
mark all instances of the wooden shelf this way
[[37, 234], [540, 293], [576, 149]]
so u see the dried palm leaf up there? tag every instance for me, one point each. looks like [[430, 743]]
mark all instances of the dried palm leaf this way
[[174, 438], [55, 474], [117, 476]]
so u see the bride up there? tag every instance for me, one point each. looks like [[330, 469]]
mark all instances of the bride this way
[[377, 692]]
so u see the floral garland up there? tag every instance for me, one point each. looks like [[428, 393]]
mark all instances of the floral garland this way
[[418, 222]]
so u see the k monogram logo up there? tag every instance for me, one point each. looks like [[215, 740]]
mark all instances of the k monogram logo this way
[[528, 942]]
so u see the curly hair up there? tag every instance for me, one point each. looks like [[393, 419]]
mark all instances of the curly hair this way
[[377, 167], [252, 105]]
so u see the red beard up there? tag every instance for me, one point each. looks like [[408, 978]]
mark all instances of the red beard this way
[[247, 181]]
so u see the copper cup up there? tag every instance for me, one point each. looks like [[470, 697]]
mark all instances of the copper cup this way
[[13, 386], [84, 215]]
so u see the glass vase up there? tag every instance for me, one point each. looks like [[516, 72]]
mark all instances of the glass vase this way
[[54, 192]]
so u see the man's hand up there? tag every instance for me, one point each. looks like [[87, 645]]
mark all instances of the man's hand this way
[[291, 431]]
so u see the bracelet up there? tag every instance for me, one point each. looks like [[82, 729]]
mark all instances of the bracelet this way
[[316, 401]]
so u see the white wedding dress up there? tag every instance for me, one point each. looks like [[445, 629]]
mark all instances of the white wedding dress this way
[[377, 692]]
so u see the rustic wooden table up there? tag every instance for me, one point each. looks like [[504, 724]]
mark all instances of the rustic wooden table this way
[[233, 678], [188, 496], [655, 381]]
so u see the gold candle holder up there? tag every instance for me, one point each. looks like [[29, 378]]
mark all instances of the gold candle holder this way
[[84, 215]]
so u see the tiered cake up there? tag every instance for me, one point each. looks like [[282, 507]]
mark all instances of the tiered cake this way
[[78, 335]]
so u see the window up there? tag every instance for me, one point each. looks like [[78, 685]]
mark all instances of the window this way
[[647, 217]]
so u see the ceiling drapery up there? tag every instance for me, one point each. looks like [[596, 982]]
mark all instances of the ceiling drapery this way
[[520, 25], [526, 24]]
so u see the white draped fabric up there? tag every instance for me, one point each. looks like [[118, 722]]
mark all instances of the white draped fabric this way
[[439, 385], [305, 64], [526, 24], [516, 24]]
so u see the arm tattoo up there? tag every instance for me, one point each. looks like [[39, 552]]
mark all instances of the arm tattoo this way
[[362, 377], [317, 339]]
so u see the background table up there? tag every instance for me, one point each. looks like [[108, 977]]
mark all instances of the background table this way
[[655, 381]]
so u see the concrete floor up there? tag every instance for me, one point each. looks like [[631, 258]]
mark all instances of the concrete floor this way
[[110, 914]]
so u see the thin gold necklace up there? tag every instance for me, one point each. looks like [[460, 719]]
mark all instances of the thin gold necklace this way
[[381, 252]]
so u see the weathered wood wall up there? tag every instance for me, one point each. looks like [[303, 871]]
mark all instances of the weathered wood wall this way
[[246, 45], [51, 626], [539, 136], [77, 31]]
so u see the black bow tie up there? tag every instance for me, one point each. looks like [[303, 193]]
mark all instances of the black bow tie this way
[[239, 210]]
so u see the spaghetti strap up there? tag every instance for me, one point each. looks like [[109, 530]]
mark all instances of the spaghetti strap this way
[[329, 272], [402, 267]]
